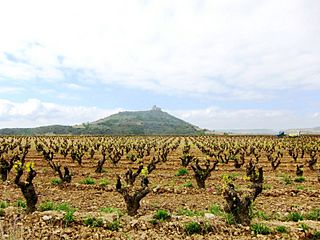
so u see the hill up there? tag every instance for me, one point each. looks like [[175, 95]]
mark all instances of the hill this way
[[152, 122]]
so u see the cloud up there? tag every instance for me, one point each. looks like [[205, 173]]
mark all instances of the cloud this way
[[217, 48], [33, 112], [74, 86], [10, 90], [214, 118], [317, 115]]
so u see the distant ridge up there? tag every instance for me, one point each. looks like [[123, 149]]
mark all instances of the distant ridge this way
[[152, 122]]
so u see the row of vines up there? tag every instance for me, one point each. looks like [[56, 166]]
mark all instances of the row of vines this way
[[136, 165]]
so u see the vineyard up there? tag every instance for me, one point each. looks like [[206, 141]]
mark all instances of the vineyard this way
[[169, 187]]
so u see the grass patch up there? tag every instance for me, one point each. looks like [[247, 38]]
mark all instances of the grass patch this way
[[68, 217], [56, 181], [229, 218], [188, 185], [315, 235], [300, 179], [261, 214], [162, 215], [313, 215], [182, 172], [286, 179], [3, 204], [300, 187], [47, 206], [281, 229], [88, 181], [104, 182], [260, 228], [294, 216], [93, 222], [192, 228], [114, 225], [189, 213], [267, 186], [111, 210], [278, 216], [304, 227], [153, 221], [216, 209], [65, 207], [21, 203]]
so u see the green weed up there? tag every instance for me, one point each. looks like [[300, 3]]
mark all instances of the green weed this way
[[192, 228], [281, 229], [182, 172], [88, 181], [93, 222], [161, 215], [260, 228]]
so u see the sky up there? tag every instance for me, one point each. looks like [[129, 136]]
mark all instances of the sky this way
[[218, 64]]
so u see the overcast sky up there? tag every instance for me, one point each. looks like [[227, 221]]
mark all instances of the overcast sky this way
[[218, 64]]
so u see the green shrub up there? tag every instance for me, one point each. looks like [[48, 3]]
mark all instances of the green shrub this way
[[56, 181], [93, 222], [114, 226], [47, 206], [299, 179], [161, 215], [192, 228], [314, 215], [3, 204], [2, 213], [21, 203], [88, 181], [181, 172], [281, 229], [260, 228], [294, 216]]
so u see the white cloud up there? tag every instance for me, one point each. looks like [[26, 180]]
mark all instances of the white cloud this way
[[215, 118], [34, 112], [74, 86], [317, 115], [211, 47], [10, 90]]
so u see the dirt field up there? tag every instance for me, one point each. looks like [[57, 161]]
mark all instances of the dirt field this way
[[288, 206]]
